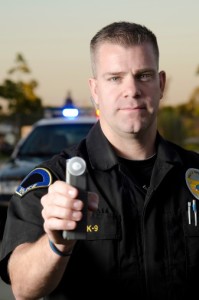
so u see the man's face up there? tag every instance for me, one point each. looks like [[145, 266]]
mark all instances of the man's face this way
[[127, 88]]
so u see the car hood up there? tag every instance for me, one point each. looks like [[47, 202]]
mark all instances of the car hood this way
[[17, 168]]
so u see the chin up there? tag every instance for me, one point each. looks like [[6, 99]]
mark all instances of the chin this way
[[134, 129]]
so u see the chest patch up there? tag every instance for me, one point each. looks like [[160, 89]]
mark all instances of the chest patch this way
[[192, 180], [37, 178]]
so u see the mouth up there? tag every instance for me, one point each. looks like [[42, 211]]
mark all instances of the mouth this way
[[139, 107]]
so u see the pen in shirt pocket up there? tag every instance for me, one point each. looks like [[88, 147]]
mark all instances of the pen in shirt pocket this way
[[189, 213], [194, 208]]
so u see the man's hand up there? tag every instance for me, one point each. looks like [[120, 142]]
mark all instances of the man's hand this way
[[62, 210]]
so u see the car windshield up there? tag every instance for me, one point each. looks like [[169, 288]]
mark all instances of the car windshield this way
[[48, 140]]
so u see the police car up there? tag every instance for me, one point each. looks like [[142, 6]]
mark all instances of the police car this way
[[47, 138]]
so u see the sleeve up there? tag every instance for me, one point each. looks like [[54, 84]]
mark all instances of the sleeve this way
[[24, 220]]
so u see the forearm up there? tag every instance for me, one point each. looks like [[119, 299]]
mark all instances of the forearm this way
[[35, 270]]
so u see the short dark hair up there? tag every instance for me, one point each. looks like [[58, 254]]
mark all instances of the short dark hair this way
[[125, 34]]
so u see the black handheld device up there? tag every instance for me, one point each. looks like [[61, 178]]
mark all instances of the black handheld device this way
[[76, 176]]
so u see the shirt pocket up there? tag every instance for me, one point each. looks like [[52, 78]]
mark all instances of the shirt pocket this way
[[103, 226], [191, 232]]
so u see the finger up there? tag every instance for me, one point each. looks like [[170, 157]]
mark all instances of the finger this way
[[63, 188], [56, 199], [54, 224], [61, 213]]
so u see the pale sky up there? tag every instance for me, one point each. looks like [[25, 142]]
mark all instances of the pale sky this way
[[54, 37]]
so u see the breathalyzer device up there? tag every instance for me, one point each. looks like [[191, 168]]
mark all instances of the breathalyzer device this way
[[76, 176]]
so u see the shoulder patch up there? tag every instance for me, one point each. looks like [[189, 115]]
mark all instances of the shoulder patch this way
[[37, 178]]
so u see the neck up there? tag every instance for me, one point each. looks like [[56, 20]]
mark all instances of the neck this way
[[134, 147], [136, 150]]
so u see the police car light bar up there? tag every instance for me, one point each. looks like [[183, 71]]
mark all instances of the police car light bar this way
[[70, 112]]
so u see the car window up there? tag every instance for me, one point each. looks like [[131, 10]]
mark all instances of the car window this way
[[51, 139]]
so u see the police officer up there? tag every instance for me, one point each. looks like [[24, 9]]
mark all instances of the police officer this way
[[142, 238]]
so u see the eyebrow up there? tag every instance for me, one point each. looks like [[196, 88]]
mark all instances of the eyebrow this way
[[114, 73], [146, 70], [138, 72]]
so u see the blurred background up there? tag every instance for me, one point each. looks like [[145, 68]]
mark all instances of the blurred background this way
[[45, 57], [44, 61]]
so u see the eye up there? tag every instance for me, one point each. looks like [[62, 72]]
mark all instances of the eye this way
[[147, 76], [115, 78]]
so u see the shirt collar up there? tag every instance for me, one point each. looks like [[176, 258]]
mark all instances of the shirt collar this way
[[101, 153], [103, 157], [167, 152]]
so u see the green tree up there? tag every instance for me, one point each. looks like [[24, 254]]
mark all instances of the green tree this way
[[20, 94], [171, 125]]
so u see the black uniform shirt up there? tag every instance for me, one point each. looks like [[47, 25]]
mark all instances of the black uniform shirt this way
[[131, 252]]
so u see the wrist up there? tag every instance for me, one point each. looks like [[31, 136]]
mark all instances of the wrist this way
[[57, 251]]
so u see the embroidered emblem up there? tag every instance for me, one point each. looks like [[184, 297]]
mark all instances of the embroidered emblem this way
[[37, 178], [192, 180]]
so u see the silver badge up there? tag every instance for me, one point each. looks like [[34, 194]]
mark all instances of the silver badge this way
[[192, 180]]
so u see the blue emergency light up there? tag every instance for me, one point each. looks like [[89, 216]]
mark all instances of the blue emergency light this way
[[70, 112]]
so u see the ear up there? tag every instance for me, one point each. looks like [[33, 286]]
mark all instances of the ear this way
[[162, 78], [93, 89]]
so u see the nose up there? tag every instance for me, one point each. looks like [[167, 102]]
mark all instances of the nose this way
[[131, 87]]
